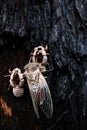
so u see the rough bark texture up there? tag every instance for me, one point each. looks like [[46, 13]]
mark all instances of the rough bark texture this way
[[62, 25]]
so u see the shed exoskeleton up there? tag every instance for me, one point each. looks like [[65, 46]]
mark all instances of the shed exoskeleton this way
[[16, 82]]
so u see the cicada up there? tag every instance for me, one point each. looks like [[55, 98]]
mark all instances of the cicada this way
[[16, 82], [39, 90]]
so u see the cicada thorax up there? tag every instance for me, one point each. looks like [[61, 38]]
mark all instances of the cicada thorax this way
[[17, 82], [33, 73]]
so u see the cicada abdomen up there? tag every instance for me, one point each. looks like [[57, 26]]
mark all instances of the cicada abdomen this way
[[18, 92]]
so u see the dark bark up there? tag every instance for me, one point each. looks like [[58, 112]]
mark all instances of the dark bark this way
[[62, 25]]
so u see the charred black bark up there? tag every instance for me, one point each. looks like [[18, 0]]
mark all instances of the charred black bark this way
[[62, 25]]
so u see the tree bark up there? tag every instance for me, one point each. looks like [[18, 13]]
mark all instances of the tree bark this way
[[62, 25]]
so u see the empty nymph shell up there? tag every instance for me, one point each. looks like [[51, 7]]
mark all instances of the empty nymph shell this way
[[17, 82], [39, 56]]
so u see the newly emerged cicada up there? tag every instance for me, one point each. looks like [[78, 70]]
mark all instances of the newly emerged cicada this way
[[39, 90], [17, 82]]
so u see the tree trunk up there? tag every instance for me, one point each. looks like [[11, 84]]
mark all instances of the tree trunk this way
[[62, 25]]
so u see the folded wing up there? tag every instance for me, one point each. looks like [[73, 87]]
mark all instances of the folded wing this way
[[45, 100]]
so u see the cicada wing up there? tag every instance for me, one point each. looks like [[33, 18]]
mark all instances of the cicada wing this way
[[33, 88], [45, 100]]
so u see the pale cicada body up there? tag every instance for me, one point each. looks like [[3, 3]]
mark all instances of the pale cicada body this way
[[39, 90], [16, 82]]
